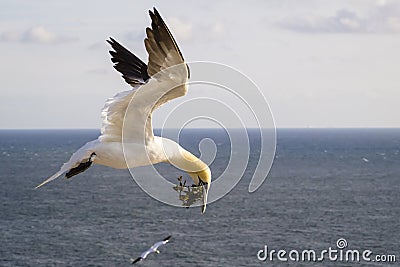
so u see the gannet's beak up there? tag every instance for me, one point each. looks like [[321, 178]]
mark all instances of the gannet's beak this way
[[205, 194], [203, 181]]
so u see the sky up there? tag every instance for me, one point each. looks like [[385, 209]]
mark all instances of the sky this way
[[318, 63]]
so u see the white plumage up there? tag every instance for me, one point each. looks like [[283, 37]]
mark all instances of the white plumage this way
[[127, 138], [152, 249]]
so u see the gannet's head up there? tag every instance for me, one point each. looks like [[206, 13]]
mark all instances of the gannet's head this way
[[202, 177], [196, 168]]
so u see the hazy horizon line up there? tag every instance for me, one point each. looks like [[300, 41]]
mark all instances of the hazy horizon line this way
[[199, 128]]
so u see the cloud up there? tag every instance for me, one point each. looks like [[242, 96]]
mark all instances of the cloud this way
[[343, 21], [182, 30], [98, 71], [37, 35], [383, 17], [98, 46], [218, 28], [185, 31], [136, 36], [196, 32]]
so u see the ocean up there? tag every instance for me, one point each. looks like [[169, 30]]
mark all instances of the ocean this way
[[325, 185]]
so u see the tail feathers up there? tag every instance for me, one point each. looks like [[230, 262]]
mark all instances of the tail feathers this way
[[70, 169], [79, 161], [57, 174]]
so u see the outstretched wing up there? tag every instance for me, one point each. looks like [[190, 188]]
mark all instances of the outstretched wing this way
[[168, 237], [156, 245], [166, 63], [162, 80], [134, 71], [160, 243], [161, 46], [144, 254], [133, 261]]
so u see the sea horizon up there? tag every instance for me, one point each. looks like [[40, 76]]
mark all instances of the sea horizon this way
[[323, 187]]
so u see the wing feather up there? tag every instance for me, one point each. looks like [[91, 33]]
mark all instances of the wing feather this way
[[133, 70], [161, 45], [113, 114], [163, 79]]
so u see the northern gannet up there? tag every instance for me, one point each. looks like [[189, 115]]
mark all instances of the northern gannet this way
[[153, 248], [127, 139]]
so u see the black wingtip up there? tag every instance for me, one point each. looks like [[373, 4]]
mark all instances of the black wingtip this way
[[136, 260], [133, 70], [167, 238], [155, 14]]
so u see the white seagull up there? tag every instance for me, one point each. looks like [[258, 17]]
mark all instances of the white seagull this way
[[127, 128], [153, 248]]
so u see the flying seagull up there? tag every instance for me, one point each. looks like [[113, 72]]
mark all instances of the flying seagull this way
[[127, 126], [153, 248]]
